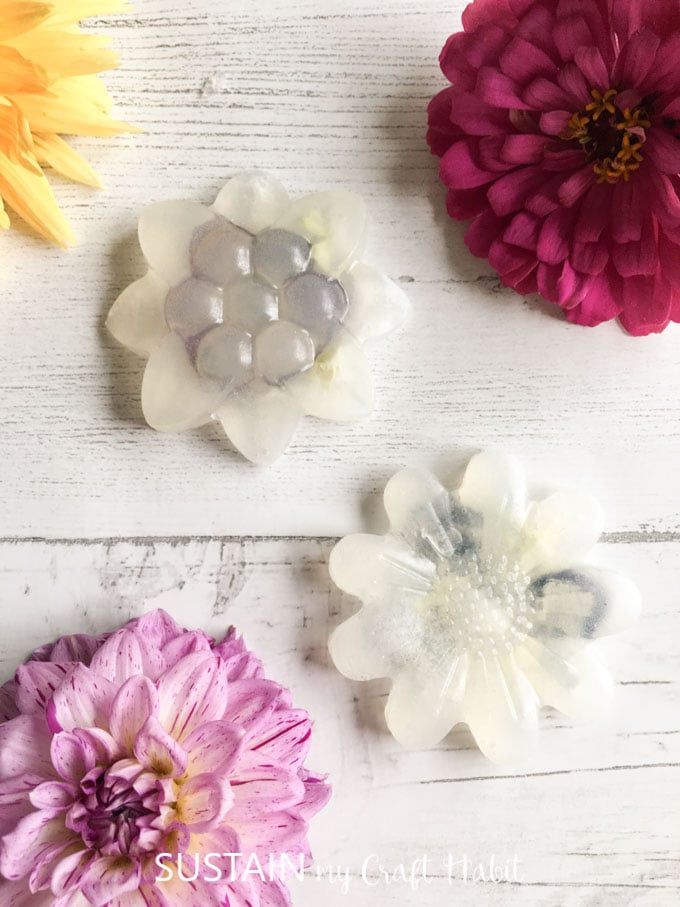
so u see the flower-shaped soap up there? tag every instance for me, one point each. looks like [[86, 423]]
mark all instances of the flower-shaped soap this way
[[253, 313], [480, 607]]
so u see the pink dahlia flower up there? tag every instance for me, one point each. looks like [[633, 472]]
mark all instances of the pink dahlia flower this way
[[560, 139], [148, 741]]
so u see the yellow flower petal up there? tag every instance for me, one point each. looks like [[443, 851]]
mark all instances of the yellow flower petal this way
[[64, 53], [29, 194], [56, 153], [48, 88], [17, 74], [18, 16], [77, 106]]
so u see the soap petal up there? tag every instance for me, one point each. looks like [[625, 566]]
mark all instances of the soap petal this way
[[586, 603], [377, 641], [165, 233], [174, 396], [419, 509], [501, 708], [426, 703], [252, 200], [374, 567], [377, 305], [567, 677], [560, 532], [260, 421], [339, 386], [334, 223], [137, 318], [494, 486]]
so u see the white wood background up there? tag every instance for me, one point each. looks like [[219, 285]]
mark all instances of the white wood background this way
[[101, 518]]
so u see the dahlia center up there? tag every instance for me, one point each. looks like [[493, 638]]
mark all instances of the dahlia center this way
[[611, 138], [112, 815], [482, 603]]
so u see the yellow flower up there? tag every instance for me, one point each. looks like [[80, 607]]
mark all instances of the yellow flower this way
[[48, 88]]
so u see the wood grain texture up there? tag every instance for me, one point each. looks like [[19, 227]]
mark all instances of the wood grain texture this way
[[592, 817], [101, 517], [324, 96]]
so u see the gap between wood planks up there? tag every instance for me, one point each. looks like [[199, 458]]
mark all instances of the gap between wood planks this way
[[632, 537]]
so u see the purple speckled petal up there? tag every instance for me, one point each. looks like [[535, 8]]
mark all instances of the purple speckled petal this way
[[83, 700], [186, 644], [157, 751], [15, 800], [274, 894], [240, 662], [71, 756], [202, 802], [50, 858], [191, 693], [20, 850], [16, 894], [53, 795], [36, 683], [286, 739], [125, 654], [108, 878], [25, 747], [255, 785], [317, 794], [251, 703], [8, 706], [135, 702], [79, 647], [158, 628], [214, 747], [278, 831], [68, 874]]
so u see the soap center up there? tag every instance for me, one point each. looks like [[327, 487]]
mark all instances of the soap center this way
[[482, 603]]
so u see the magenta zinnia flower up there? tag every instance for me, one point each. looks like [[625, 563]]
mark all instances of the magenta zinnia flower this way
[[151, 740], [560, 139]]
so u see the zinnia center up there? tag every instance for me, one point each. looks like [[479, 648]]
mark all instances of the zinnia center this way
[[483, 601], [612, 139]]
